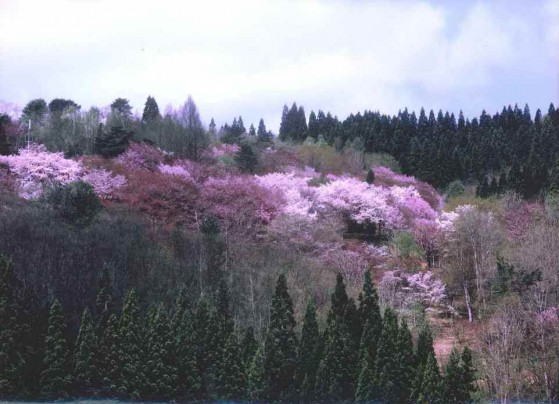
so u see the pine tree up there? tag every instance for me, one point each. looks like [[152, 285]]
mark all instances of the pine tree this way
[[256, 378], [249, 346], [309, 352], [85, 374], [281, 346], [104, 301], [370, 177], [336, 374], [251, 130], [246, 159], [112, 143], [188, 375], [467, 375], [386, 362], [205, 329], [12, 330], [55, 379], [161, 366], [131, 348], [431, 386], [230, 378], [423, 352], [452, 379], [151, 111], [405, 370], [263, 135], [109, 357]]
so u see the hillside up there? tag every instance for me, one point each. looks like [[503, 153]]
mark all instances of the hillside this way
[[239, 231]]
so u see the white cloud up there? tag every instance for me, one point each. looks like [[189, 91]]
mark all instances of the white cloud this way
[[250, 57]]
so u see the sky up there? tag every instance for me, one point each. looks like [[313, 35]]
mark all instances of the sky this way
[[250, 58]]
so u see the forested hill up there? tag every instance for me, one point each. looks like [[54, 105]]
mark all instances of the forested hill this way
[[509, 150]]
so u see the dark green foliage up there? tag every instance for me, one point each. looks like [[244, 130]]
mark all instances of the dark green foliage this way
[[249, 346], [161, 364], [55, 379], [293, 124], [467, 375], [104, 301], [151, 111], [251, 130], [256, 378], [85, 374], [112, 143], [108, 360], [280, 362], [35, 110], [370, 177], [122, 106], [386, 361], [59, 105], [337, 371], [424, 351], [405, 367], [483, 190], [76, 203], [205, 330], [309, 352], [246, 159], [230, 378], [5, 125], [262, 134], [12, 330], [131, 348], [431, 384], [453, 386]]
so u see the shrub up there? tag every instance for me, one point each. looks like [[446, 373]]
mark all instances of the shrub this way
[[76, 203]]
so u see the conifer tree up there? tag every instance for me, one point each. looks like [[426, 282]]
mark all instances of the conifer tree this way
[[230, 378], [12, 330], [161, 367], [109, 358], [423, 352], [281, 346], [55, 379], [370, 177], [467, 375], [336, 374], [431, 386], [249, 345], [104, 301], [256, 378], [405, 371], [131, 348], [205, 328], [309, 352], [452, 379], [246, 159], [386, 362], [188, 376], [251, 130], [85, 371], [262, 133], [151, 111]]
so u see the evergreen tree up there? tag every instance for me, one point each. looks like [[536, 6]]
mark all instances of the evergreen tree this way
[[246, 159], [161, 366], [370, 177], [12, 330], [104, 301], [256, 378], [151, 111], [483, 189], [467, 375], [309, 352], [249, 346], [424, 351], [285, 124], [131, 352], [281, 346], [55, 379], [112, 143], [109, 357], [230, 378], [263, 135], [405, 371], [431, 386], [205, 328], [452, 379], [336, 374], [188, 376], [85, 375], [251, 130], [386, 361]]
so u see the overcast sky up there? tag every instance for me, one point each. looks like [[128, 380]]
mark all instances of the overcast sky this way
[[250, 58]]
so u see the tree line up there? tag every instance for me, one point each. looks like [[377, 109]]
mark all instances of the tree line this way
[[195, 353], [510, 149]]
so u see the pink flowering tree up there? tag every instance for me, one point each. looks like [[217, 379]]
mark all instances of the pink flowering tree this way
[[141, 156], [104, 182], [36, 169]]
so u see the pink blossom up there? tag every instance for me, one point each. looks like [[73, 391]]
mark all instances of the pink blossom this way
[[177, 170], [141, 156], [36, 169], [223, 150], [388, 177], [104, 182]]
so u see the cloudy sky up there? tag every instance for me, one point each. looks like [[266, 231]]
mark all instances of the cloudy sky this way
[[249, 58]]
